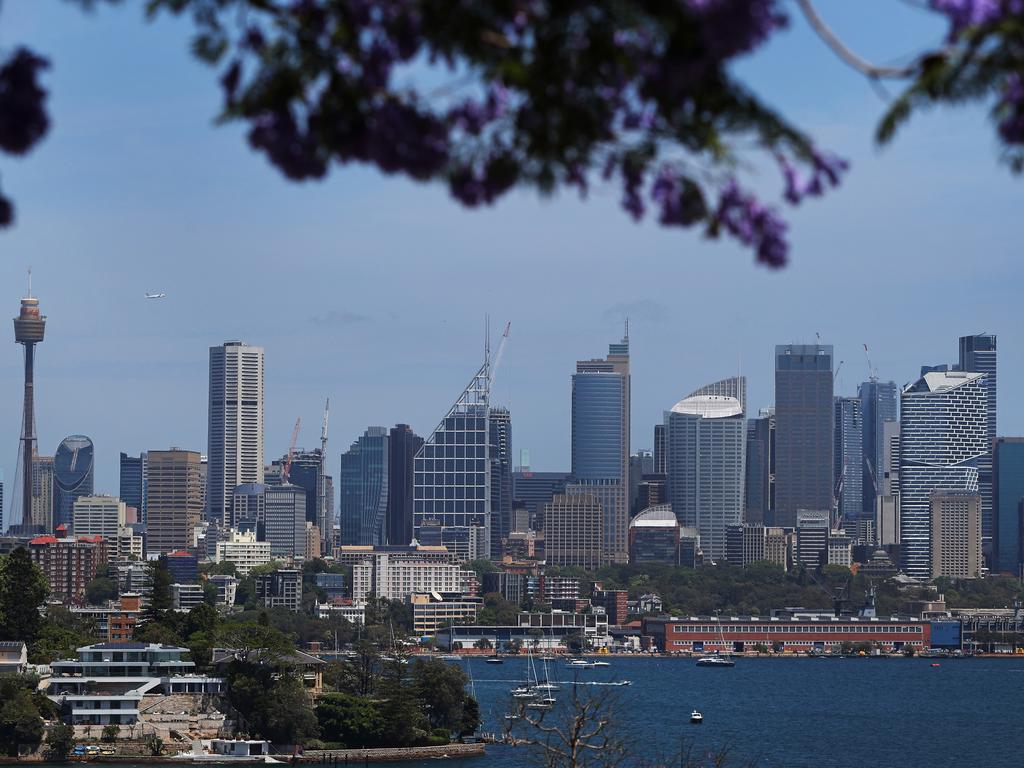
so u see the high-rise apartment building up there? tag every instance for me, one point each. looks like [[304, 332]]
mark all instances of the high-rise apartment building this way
[[500, 437], [72, 476], [98, 516], [760, 481], [363, 488], [812, 534], [573, 535], [706, 444], [978, 355], [877, 408], [235, 452], [848, 457], [403, 445], [452, 478], [600, 441], [132, 483], [943, 437], [1008, 505], [955, 534], [803, 430], [174, 499]]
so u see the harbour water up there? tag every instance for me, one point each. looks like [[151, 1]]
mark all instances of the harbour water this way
[[788, 713]]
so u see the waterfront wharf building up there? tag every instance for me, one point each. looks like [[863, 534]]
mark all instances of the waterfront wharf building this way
[[727, 634], [105, 685], [452, 477], [706, 444], [235, 427], [803, 430], [943, 437], [600, 442]]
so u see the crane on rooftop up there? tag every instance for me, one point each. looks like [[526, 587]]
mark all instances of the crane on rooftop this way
[[286, 468]]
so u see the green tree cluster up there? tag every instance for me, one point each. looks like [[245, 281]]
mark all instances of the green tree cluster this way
[[23, 590], [21, 713]]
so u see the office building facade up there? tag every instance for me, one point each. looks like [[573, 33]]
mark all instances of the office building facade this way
[[174, 499], [978, 355], [363, 489], [706, 445], [72, 476], [803, 430], [500, 451], [451, 474], [573, 532], [41, 514], [235, 429], [878, 407], [848, 457], [403, 445], [132, 483], [1008, 505], [600, 440], [98, 516], [285, 520], [955, 534], [943, 437], [760, 480]]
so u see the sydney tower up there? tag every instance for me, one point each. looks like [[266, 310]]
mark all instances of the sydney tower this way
[[29, 326]]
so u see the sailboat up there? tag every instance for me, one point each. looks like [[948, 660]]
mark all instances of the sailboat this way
[[547, 685], [718, 659]]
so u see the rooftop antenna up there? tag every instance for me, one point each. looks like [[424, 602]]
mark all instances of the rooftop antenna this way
[[29, 283], [627, 330]]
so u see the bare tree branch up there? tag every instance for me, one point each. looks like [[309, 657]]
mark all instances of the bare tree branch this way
[[865, 67]]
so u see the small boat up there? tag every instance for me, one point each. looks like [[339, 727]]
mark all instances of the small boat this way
[[547, 657], [523, 692], [543, 703], [580, 664], [600, 664], [621, 682], [546, 687], [449, 657], [696, 717], [511, 717], [936, 664], [715, 661], [494, 660]]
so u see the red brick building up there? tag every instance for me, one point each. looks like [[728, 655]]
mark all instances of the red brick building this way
[[68, 564], [704, 634]]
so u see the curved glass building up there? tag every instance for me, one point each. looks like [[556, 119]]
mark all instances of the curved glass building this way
[[72, 476]]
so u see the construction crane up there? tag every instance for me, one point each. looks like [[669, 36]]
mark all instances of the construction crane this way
[[501, 352], [286, 468], [838, 369], [872, 371]]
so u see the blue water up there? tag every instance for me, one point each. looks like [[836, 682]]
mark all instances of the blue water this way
[[796, 713], [789, 713]]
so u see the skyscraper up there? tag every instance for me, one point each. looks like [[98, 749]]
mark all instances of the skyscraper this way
[[500, 437], [305, 472], [705, 436], [284, 514], [943, 437], [978, 355], [955, 534], [572, 532], [41, 507], [174, 499], [535, 489], [1008, 505], [452, 478], [133, 483], [403, 444], [641, 463], [803, 430], [363, 488], [29, 328], [848, 455], [600, 441], [72, 476], [760, 483], [659, 449], [877, 408], [235, 453]]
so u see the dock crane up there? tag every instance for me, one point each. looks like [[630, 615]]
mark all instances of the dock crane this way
[[286, 468]]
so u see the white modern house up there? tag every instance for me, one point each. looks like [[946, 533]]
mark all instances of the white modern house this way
[[108, 680]]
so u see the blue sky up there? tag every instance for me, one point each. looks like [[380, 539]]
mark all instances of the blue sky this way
[[373, 290]]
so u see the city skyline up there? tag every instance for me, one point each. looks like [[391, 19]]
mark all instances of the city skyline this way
[[345, 244]]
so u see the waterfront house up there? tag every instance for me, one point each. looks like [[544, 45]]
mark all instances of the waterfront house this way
[[108, 680], [13, 657]]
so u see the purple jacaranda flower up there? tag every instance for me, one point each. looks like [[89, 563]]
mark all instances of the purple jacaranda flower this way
[[753, 224], [1011, 111], [963, 14]]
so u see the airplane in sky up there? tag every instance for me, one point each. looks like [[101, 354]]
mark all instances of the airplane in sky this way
[[156, 295]]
